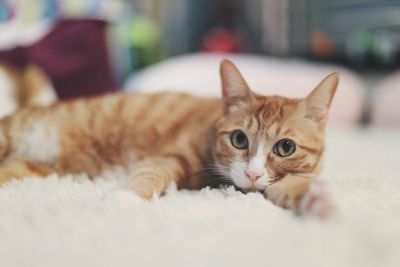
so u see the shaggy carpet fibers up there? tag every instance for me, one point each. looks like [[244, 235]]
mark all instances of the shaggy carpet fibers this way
[[75, 222]]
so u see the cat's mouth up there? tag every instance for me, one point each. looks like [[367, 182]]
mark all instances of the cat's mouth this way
[[251, 189]]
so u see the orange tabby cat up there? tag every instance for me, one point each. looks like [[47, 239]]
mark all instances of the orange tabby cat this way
[[267, 143]]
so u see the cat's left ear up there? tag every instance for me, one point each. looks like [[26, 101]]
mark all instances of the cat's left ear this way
[[319, 100], [234, 86]]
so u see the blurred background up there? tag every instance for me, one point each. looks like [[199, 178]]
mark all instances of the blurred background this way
[[90, 47]]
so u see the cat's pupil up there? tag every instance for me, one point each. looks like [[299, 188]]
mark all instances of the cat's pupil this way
[[240, 138], [287, 146]]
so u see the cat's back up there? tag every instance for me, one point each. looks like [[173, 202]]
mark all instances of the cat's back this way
[[103, 130], [136, 107], [132, 109]]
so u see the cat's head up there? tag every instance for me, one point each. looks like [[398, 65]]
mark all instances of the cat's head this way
[[261, 139]]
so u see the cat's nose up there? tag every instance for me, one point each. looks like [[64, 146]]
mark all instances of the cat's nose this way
[[254, 175]]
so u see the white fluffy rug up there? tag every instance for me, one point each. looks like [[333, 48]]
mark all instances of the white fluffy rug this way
[[75, 222]]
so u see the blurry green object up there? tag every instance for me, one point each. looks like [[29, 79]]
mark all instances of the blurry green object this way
[[372, 47], [75, 7], [365, 40], [121, 51], [359, 47], [144, 32], [30, 11], [145, 38]]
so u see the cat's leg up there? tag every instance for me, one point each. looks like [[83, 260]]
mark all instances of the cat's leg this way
[[302, 195], [18, 169], [153, 175]]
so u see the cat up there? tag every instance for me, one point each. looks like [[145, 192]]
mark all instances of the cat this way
[[261, 143], [23, 86]]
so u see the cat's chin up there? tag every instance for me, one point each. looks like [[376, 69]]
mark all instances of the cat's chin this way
[[252, 189]]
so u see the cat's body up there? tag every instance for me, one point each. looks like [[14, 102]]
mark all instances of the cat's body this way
[[119, 130], [244, 139]]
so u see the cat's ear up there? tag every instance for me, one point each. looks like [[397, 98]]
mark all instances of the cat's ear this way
[[319, 100], [234, 87]]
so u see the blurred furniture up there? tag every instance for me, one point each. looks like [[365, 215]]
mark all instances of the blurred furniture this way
[[198, 74], [73, 41], [74, 55]]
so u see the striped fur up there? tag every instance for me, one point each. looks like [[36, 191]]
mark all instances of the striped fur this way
[[24, 86], [167, 137]]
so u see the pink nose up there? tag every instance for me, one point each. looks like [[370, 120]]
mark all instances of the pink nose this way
[[253, 175]]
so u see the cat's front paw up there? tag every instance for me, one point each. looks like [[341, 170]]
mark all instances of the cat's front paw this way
[[317, 201], [144, 193], [146, 187]]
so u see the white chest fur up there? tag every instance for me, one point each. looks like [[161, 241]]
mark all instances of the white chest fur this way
[[38, 143], [8, 103]]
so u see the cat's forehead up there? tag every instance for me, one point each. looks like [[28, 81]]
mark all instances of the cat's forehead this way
[[269, 115], [272, 109]]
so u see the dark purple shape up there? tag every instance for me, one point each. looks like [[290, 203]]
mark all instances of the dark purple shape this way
[[75, 57]]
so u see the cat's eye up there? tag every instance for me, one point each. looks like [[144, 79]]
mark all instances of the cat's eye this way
[[239, 140], [284, 148]]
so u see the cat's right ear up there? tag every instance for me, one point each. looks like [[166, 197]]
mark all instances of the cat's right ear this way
[[319, 100], [234, 87]]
